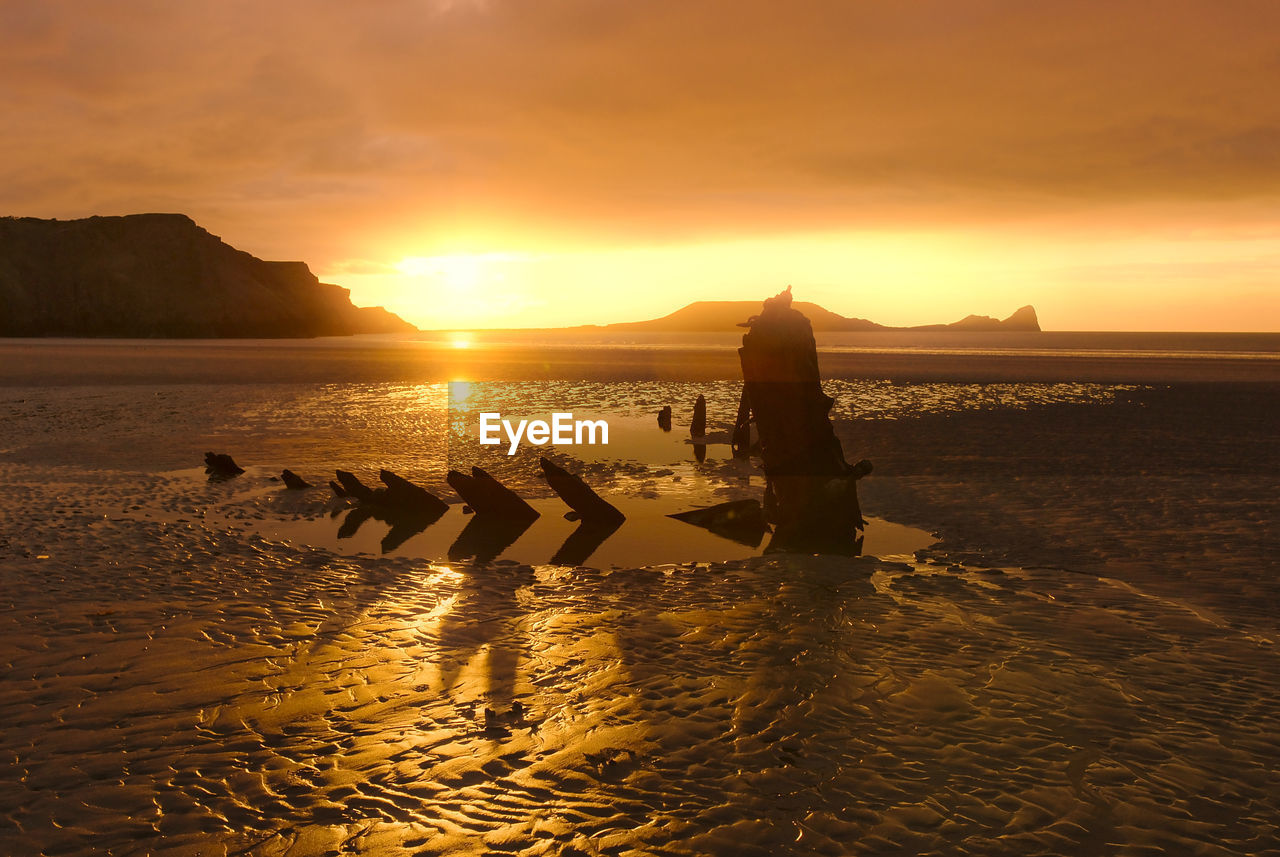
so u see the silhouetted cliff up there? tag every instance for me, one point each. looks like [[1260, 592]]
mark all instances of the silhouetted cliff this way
[[1024, 319], [725, 315], [161, 275]]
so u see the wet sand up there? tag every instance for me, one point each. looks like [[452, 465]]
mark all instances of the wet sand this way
[[1174, 486], [1085, 663], [562, 356]]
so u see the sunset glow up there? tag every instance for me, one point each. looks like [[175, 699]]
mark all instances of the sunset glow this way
[[1154, 280], [499, 164]]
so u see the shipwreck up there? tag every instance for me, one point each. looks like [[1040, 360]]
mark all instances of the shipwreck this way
[[811, 491]]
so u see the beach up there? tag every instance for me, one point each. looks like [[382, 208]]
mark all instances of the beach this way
[[1082, 661]]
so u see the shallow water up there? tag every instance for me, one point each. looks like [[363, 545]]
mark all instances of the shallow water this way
[[403, 426], [648, 537]]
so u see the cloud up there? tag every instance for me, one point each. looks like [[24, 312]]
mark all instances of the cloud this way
[[349, 125]]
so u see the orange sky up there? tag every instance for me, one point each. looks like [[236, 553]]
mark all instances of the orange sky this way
[[488, 163]]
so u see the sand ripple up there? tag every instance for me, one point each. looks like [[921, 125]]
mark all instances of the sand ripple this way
[[182, 689]]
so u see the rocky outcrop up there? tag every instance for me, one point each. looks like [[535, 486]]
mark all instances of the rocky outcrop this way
[[726, 315], [1022, 320], [161, 275]]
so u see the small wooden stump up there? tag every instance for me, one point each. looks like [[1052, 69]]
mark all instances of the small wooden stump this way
[[698, 426]]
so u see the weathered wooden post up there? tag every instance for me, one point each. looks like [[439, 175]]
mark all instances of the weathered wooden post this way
[[811, 493], [698, 425]]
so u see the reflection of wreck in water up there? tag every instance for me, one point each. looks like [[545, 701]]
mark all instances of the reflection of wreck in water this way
[[402, 526], [485, 537], [741, 521], [583, 541]]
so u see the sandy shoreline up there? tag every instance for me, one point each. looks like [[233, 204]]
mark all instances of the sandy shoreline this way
[[231, 693], [1085, 664], [218, 694]]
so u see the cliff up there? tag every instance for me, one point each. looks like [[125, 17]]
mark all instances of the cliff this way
[[1022, 320], [726, 315], [161, 275]]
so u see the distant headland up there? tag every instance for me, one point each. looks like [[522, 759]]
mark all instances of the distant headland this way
[[702, 316], [161, 275]]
